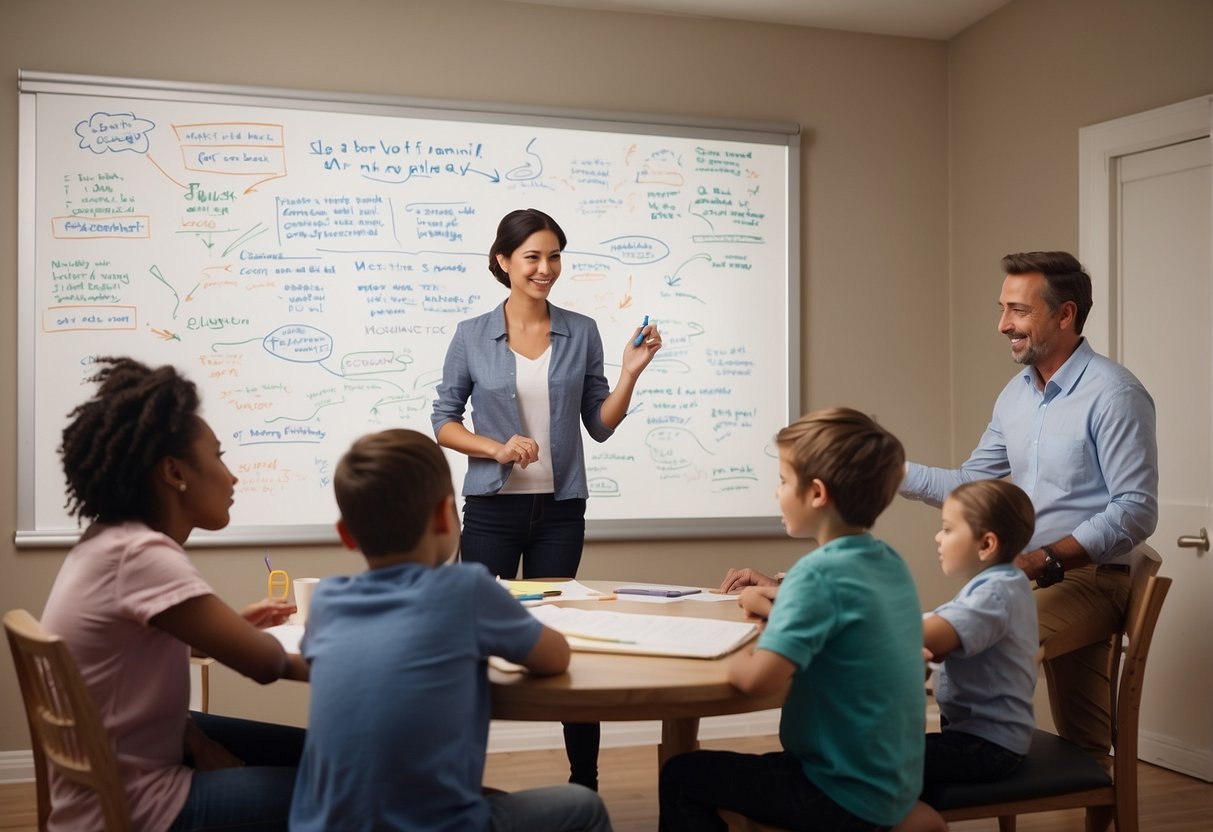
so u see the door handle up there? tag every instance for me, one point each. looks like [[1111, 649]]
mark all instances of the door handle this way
[[1200, 541]]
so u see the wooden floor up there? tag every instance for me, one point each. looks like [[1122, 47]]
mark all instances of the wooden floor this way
[[1169, 802]]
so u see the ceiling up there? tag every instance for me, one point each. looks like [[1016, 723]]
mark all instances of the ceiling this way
[[932, 19]]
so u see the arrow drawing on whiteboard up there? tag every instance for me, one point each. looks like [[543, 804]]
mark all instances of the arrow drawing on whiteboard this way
[[164, 334], [166, 176], [247, 235], [155, 270], [626, 300]]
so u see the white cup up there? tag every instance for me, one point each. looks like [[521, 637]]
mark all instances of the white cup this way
[[304, 587]]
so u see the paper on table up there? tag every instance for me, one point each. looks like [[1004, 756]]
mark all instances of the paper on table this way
[[288, 635], [711, 597], [570, 590], [646, 635]]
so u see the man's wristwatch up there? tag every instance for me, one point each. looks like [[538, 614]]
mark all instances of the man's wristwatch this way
[[1054, 570]]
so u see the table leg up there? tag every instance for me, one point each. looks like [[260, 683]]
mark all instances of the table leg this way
[[678, 736]]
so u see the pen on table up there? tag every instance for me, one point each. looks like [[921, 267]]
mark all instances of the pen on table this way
[[609, 597], [640, 335], [537, 596], [586, 637], [658, 592]]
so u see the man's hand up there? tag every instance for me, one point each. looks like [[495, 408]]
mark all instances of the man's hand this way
[[737, 579]]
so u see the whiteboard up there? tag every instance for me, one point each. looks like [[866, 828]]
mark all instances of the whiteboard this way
[[305, 258]]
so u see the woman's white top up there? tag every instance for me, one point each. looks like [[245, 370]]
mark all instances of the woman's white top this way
[[535, 413]]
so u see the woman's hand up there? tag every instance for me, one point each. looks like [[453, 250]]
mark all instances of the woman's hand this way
[[268, 612], [636, 358], [522, 450]]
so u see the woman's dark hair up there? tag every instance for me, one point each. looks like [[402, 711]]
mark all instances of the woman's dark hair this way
[[513, 231], [137, 417]]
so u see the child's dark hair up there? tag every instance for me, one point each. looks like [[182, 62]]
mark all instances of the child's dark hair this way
[[1000, 508], [861, 463], [388, 485], [513, 230], [137, 417]]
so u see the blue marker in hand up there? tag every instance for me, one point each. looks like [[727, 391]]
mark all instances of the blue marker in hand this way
[[640, 335]]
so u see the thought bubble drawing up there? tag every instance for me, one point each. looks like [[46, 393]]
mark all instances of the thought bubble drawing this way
[[114, 132], [300, 343]]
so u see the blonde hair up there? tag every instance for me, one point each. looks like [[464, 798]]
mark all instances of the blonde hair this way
[[861, 463]]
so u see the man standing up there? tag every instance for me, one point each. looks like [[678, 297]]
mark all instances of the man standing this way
[[1076, 431]]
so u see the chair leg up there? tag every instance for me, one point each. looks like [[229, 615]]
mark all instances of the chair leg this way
[[1099, 818], [1006, 823]]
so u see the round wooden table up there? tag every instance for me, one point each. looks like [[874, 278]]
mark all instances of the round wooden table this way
[[605, 687]]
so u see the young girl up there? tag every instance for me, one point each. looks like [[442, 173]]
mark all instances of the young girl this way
[[534, 375], [985, 637], [147, 470]]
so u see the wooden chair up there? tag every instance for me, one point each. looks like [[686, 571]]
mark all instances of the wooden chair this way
[[1057, 774], [65, 729]]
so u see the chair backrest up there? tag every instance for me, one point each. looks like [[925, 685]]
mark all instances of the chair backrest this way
[[64, 726], [1144, 563], [1145, 604]]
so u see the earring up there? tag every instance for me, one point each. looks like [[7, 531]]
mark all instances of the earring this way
[[181, 487]]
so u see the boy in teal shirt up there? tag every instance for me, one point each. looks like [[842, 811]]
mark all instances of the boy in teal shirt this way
[[846, 632]]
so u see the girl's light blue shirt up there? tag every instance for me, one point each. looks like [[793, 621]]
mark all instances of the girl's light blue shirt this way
[[480, 367]]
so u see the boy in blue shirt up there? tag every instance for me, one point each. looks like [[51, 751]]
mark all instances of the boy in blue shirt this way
[[846, 632], [399, 712]]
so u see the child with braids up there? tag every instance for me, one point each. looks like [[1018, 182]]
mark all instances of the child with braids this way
[[146, 470]]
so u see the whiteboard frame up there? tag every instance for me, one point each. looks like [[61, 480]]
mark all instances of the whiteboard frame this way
[[31, 83]]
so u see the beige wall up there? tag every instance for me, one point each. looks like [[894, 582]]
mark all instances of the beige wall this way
[[1022, 82], [874, 114]]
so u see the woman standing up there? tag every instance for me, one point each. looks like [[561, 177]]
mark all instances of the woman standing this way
[[533, 373], [147, 470]]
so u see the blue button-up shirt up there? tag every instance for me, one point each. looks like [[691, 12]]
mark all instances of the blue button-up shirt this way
[[480, 366], [1084, 449]]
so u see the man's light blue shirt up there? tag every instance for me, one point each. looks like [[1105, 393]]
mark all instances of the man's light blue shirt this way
[[1084, 449], [480, 367]]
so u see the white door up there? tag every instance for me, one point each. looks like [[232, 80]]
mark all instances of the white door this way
[[1165, 336]]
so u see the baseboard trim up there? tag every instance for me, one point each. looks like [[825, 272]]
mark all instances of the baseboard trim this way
[[1169, 753], [16, 766]]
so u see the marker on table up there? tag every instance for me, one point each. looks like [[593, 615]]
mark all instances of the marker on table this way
[[537, 596], [640, 335], [659, 592]]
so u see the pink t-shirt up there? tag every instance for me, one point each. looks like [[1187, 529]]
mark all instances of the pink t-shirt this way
[[112, 583]]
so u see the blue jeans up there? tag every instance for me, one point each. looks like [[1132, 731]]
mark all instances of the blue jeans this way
[[957, 757], [544, 533], [553, 809], [770, 788], [547, 535], [257, 797]]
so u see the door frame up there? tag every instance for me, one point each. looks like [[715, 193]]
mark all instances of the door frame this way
[[1100, 147]]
